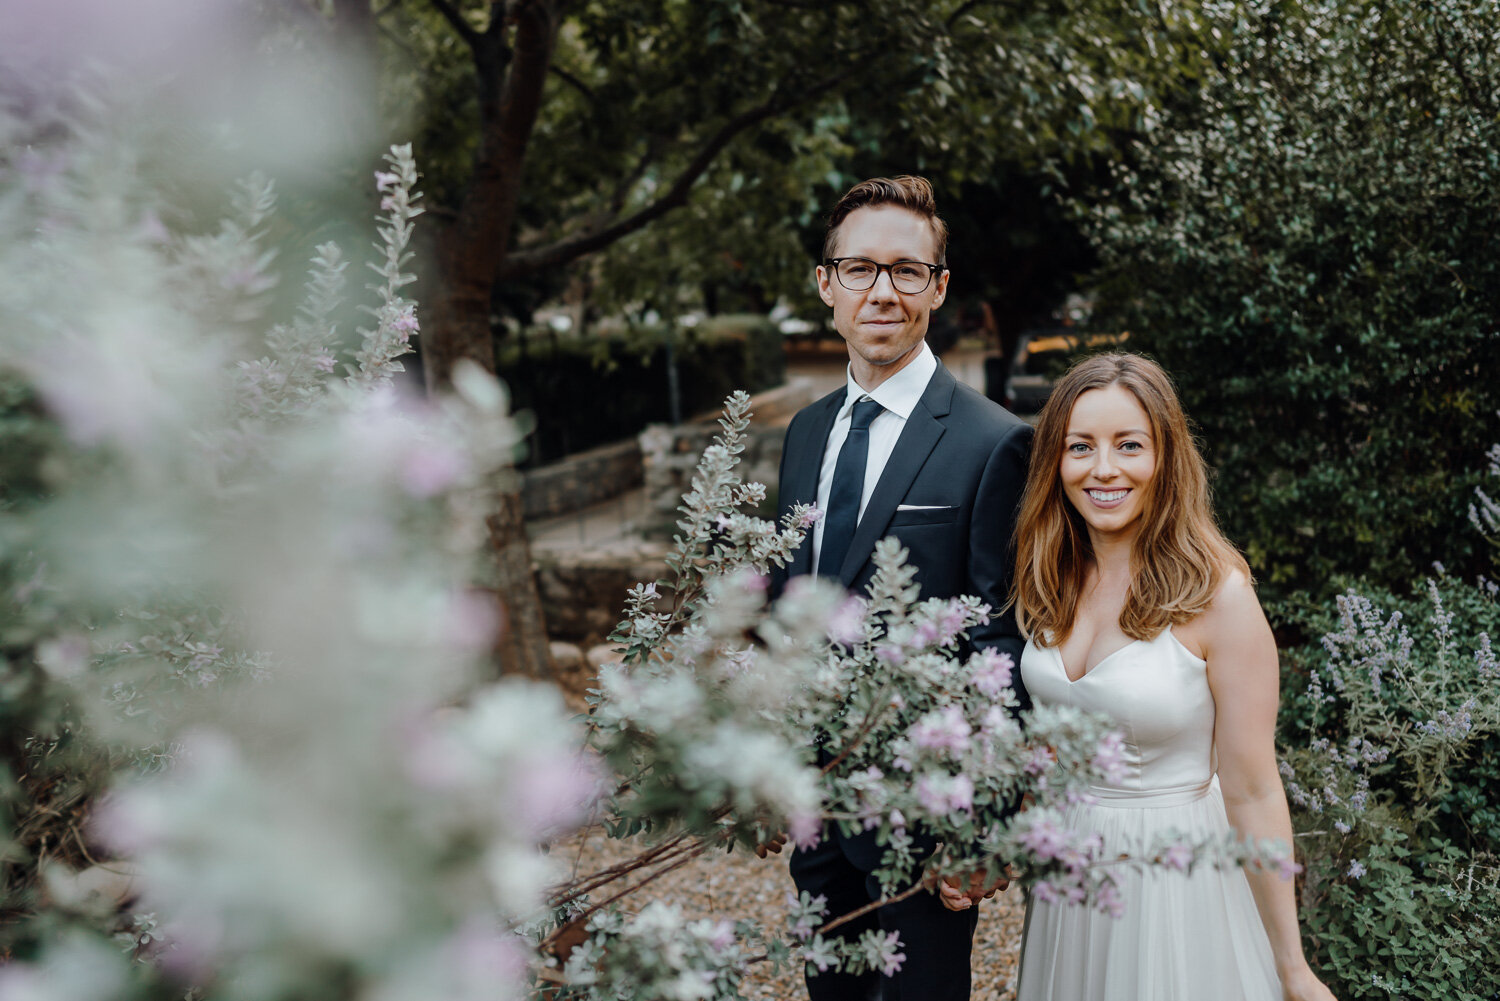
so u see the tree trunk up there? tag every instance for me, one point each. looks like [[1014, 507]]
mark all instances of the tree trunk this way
[[523, 648], [470, 252]]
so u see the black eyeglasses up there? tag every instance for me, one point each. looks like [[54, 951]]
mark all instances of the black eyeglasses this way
[[859, 274]]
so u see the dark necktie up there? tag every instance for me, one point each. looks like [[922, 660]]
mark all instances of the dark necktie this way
[[848, 487]]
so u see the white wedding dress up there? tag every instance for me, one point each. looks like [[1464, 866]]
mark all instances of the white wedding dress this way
[[1183, 937]]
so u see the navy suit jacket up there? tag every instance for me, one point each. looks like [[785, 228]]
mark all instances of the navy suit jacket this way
[[962, 457]]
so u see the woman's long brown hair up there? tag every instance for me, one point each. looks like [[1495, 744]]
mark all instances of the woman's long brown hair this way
[[1178, 558]]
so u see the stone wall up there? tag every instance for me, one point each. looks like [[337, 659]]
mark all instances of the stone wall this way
[[582, 480], [583, 593]]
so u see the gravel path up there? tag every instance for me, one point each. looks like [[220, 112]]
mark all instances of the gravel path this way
[[740, 886]]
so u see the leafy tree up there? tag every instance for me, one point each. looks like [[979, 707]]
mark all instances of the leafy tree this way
[[1307, 244], [680, 139]]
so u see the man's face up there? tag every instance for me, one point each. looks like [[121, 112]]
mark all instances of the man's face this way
[[882, 326]]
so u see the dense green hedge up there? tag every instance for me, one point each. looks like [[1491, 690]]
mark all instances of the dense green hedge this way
[[590, 391], [1308, 245]]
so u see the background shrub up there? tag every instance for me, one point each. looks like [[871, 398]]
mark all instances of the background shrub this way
[[1307, 244], [1392, 724]]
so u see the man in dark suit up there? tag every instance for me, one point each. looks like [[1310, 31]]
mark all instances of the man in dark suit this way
[[901, 449]]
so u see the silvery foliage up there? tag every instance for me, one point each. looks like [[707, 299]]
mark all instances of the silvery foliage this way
[[712, 721], [259, 574]]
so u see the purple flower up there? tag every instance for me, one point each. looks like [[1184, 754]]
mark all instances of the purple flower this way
[[926, 634], [952, 620], [846, 625], [720, 936], [886, 956], [1109, 761], [1341, 827], [1044, 839], [944, 729], [1356, 869], [807, 918], [940, 795], [991, 671], [1178, 856], [754, 583], [1108, 899], [405, 325], [806, 830], [552, 793], [1040, 760], [431, 469], [385, 180]]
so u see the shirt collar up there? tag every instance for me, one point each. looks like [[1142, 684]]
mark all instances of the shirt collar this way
[[901, 392]]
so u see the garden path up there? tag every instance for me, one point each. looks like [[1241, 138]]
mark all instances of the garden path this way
[[738, 886]]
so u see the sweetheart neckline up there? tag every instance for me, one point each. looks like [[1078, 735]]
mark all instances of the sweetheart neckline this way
[[1062, 665]]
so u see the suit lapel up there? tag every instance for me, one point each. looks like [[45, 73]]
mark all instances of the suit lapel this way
[[923, 429], [802, 478]]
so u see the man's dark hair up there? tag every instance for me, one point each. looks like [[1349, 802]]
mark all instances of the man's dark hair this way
[[908, 191]]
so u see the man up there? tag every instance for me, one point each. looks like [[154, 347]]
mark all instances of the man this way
[[902, 449]]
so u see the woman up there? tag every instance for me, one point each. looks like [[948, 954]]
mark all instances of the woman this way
[[1135, 606]]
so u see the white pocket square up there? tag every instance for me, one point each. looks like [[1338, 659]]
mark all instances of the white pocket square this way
[[924, 507]]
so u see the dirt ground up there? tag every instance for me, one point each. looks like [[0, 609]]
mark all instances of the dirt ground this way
[[739, 886]]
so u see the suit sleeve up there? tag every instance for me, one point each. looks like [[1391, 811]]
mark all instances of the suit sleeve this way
[[991, 547], [784, 502]]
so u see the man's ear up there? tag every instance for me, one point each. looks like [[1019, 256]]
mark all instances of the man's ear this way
[[942, 289], [824, 292]]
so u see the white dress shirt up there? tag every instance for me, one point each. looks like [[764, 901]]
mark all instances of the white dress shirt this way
[[899, 395]]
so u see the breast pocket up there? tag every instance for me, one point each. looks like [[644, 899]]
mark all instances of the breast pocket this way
[[924, 516]]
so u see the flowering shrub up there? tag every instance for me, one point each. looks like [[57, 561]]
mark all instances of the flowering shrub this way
[[242, 652], [243, 660], [1392, 776], [708, 724]]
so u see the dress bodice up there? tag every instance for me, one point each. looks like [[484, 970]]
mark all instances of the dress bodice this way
[[1156, 692]]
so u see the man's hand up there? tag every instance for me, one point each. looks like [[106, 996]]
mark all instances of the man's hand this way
[[771, 845], [959, 894]]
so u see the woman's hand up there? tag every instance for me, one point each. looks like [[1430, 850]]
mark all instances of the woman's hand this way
[[1304, 985]]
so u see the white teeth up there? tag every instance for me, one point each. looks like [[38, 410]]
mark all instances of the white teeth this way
[[1106, 496]]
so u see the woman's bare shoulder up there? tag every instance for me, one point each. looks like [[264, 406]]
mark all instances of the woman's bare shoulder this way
[[1233, 616]]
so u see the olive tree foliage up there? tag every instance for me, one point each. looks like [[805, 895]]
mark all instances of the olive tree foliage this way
[[1306, 243]]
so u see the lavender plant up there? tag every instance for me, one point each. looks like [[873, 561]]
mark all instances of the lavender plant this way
[[1391, 770]]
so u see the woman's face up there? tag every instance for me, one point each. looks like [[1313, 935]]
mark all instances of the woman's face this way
[[1108, 461]]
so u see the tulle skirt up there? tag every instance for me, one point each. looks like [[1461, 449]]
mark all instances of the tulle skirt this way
[[1183, 937]]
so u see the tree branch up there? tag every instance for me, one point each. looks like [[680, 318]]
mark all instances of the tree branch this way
[[572, 81], [546, 943], [456, 18], [534, 259], [860, 912]]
